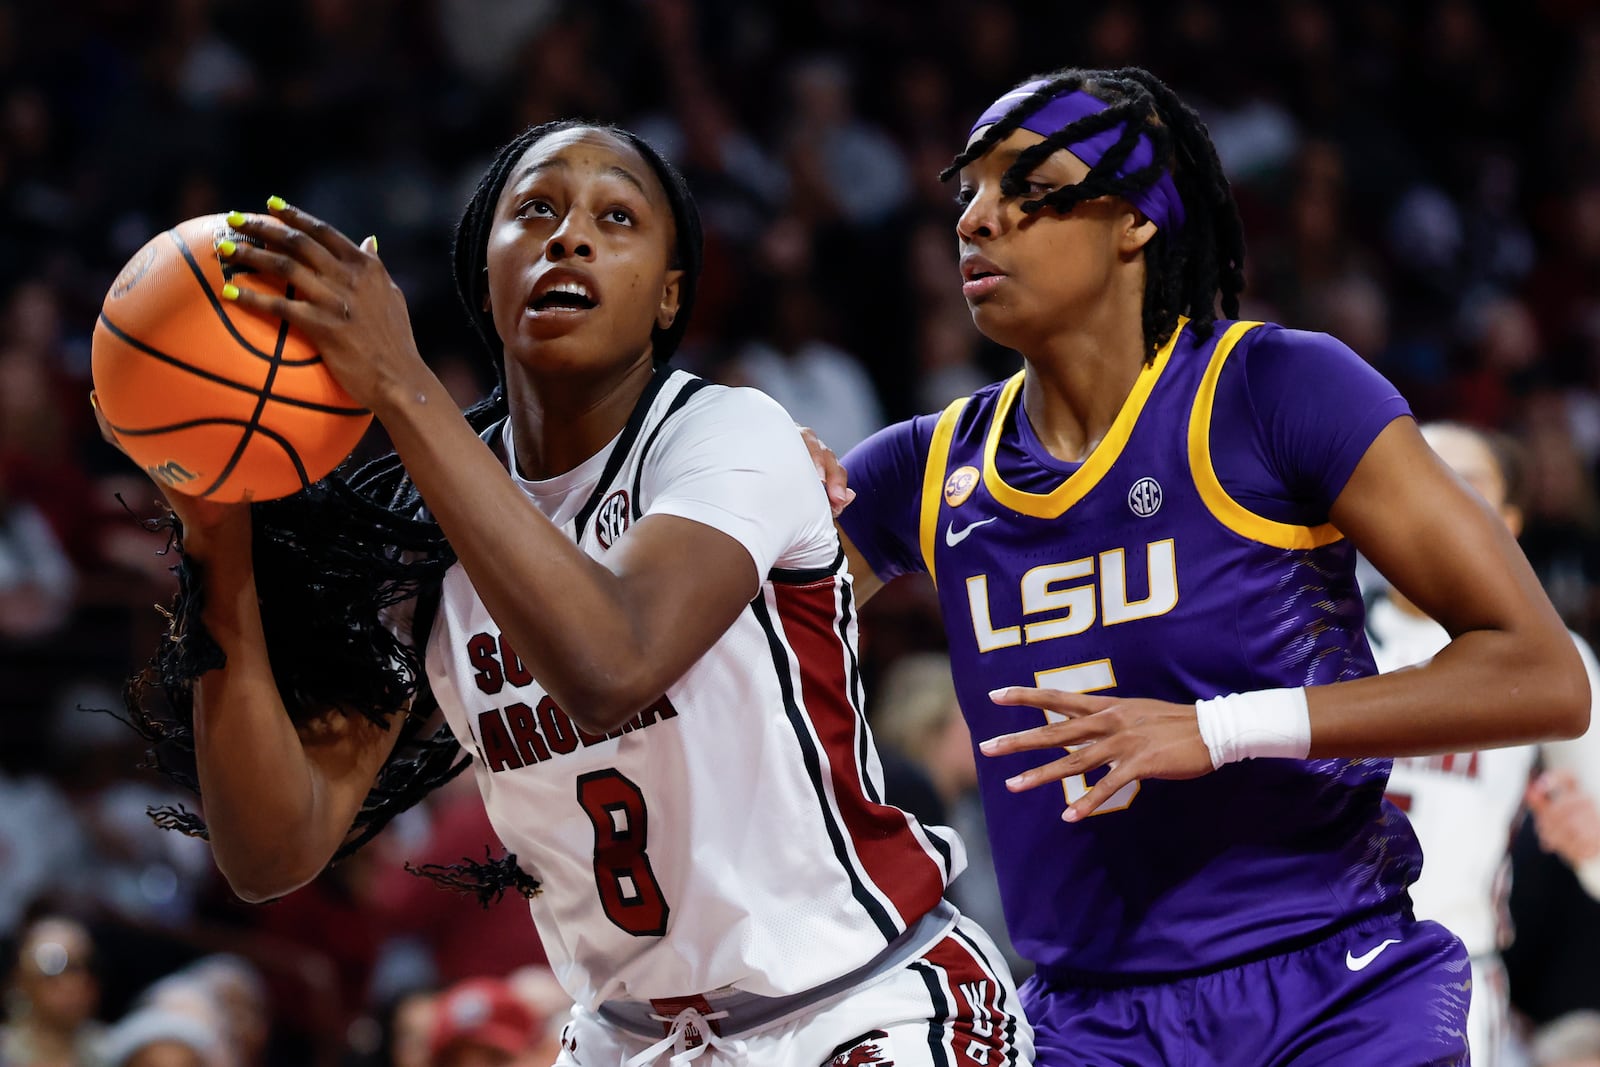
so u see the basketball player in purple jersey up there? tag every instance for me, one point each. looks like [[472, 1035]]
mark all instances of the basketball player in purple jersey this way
[[1149, 535]]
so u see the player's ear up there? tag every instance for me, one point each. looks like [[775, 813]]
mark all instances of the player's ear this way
[[667, 309], [1136, 233]]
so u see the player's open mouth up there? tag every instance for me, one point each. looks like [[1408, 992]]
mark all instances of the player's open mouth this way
[[567, 297], [979, 275], [563, 291]]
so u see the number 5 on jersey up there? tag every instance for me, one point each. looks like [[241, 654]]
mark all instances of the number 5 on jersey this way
[[1084, 678], [629, 892]]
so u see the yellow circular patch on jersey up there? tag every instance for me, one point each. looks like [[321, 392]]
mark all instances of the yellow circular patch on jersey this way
[[959, 486]]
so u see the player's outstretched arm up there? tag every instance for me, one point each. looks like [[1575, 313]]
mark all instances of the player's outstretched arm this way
[[1510, 674], [278, 801]]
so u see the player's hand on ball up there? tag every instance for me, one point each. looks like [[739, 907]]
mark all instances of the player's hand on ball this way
[[194, 512], [1135, 739], [344, 300]]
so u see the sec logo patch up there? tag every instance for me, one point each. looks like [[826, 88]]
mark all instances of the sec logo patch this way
[[1144, 499], [611, 521]]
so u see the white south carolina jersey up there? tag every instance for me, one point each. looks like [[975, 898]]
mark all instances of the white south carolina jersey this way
[[1463, 806], [732, 835]]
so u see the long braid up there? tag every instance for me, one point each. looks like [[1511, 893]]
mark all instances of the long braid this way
[[1200, 175], [1102, 179], [330, 560], [1055, 85], [1186, 271]]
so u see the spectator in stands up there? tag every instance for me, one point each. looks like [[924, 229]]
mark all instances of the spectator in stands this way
[[153, 1037], [482, 1023], [52, 998]]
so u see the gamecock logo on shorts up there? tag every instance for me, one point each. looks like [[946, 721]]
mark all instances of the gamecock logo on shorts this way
[[860, 1051], [611, 521]]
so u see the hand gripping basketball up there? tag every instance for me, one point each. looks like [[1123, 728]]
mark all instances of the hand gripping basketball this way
[[339, 295], [212, 399], [197, 514]]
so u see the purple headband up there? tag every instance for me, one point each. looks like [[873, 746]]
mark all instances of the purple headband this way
[[1160, 201]]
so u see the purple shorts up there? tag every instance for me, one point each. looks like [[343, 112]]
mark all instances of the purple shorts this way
[[1389, 990]]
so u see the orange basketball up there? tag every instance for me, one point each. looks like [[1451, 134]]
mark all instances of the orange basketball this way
[[210, 399]]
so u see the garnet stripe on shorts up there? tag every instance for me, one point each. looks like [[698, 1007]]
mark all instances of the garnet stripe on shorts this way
[[970, 1024], [894, 859], [990, 967]]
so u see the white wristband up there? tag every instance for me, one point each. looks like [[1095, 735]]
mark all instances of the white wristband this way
[[1268, 722]]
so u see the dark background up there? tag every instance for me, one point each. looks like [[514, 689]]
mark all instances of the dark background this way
[[1420, 179]]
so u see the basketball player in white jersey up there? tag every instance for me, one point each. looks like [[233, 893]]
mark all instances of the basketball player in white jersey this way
[[1463, 806], [643, 635]]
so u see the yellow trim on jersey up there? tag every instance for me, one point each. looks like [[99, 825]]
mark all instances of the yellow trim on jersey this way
[[1053, 505], [1224, 508], [933, 480]]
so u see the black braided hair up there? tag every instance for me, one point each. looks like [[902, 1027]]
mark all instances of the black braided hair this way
[[330, 560], [1185, 271]]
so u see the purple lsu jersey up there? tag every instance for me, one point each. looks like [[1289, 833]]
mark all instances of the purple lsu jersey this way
[[1139, 575]]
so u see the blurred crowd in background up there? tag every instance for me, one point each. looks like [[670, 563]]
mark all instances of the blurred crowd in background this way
[[1422, 180]]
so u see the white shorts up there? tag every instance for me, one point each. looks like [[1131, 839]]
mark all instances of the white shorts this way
[[953, 1006]]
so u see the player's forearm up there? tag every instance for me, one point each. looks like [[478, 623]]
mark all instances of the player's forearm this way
[[572, 621], [1511, 675], [1485, 689], [864, 582], [255, 779]]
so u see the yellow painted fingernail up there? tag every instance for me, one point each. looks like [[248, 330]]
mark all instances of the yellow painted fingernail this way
[[276, 203], [94, 401], [227, 247], [372, 243], [236, 218], [230, 292]]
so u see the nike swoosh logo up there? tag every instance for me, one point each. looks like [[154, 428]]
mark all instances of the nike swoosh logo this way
[[954, 537], [1359, 963]]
